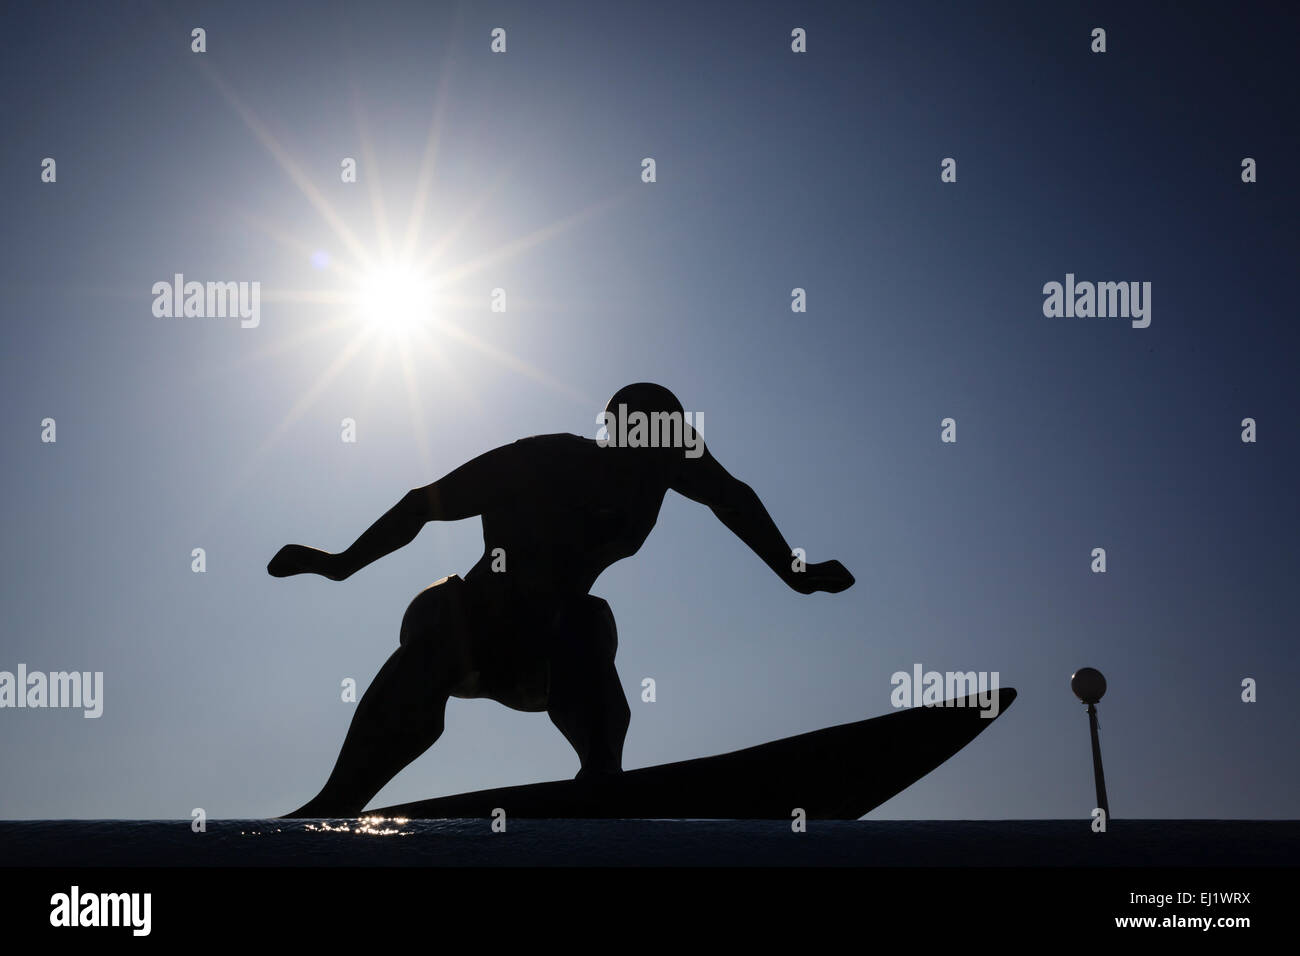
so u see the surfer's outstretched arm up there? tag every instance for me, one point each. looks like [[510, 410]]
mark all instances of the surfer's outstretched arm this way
[[463, 493], [738, 507]]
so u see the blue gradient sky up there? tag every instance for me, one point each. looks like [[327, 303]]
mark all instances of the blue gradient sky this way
[[774, 171]]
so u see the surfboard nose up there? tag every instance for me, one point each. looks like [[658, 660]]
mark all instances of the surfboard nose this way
[[996, 701]]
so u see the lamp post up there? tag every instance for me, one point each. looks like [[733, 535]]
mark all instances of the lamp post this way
[[1089, 686]]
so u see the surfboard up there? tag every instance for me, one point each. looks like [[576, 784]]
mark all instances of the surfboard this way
[[838, 773]]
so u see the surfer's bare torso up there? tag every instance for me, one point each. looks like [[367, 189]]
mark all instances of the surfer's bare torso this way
[[557, 510], [566, 511]]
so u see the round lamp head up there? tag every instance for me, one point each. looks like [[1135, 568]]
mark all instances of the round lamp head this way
[[1088, 684]]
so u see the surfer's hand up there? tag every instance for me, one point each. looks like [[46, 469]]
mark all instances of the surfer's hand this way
[[829, 576], [299, 559]]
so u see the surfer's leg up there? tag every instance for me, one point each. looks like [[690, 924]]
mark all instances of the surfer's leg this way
[[586, 700], [401, 713]]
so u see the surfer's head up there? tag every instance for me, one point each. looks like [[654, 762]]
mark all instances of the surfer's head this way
[[644, 397], [648, 418]]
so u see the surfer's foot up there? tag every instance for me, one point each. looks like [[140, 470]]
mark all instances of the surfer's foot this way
[[314, 810], [595, 775]]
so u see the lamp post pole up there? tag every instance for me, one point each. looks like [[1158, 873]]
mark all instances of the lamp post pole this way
[[1089, 686]]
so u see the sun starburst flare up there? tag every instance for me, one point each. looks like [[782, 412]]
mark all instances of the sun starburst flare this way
[[394, 298]]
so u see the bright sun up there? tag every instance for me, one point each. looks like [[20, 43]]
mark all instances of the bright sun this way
[[396, 297]]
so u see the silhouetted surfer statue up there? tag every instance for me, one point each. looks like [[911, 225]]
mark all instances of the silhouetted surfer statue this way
[[520, 628]]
